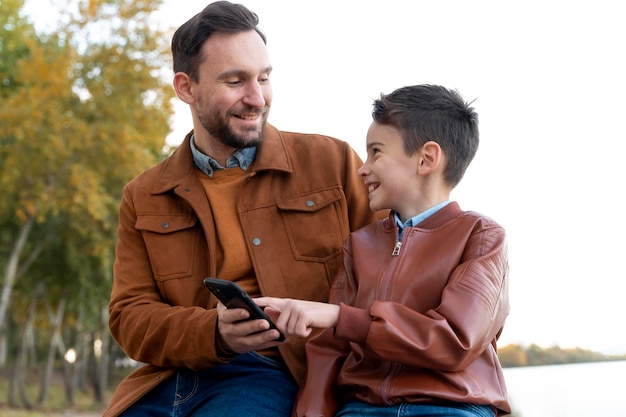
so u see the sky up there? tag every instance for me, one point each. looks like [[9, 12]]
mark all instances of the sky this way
[[547, 80]]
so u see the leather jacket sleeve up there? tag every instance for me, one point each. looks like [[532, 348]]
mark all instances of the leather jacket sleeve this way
[[456, 332]]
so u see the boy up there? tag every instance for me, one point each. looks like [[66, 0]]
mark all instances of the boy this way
[[422, 297]]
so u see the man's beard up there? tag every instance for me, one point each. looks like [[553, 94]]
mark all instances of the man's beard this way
[[218, 127]]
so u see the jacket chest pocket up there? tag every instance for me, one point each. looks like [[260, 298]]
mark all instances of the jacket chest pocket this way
[[171, 242], [314, 225]]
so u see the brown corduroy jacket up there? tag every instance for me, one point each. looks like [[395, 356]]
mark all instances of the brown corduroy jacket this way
[[299, 204]]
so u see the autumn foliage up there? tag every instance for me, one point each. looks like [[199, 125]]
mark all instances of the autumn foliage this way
[[83, 108], [514, 355]]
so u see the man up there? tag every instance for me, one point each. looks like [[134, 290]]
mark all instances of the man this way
[[238, 200]]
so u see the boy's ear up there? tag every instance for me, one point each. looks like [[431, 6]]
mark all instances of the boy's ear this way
[[431, 157], [183, 87]]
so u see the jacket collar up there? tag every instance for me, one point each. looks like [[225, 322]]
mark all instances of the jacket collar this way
[[271, 155], [440, 218]]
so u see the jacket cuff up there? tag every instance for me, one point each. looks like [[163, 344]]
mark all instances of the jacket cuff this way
[[353, 324]]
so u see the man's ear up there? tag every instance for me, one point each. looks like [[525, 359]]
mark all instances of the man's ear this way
[[183, 87], [431, 157]]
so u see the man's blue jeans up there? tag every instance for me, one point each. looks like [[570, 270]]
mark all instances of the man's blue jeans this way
[[251, 385], [357, 409]]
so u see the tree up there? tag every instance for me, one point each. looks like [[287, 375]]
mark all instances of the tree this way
[[512, 355], [14, 35], [13, 32], [84, 109]]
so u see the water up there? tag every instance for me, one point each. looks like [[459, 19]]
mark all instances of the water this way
[[579, 390]]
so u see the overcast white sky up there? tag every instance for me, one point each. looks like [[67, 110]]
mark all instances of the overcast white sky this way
[[548, 79]]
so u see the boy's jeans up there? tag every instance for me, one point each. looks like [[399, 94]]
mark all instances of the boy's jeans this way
[[357, 408], [251, 385]]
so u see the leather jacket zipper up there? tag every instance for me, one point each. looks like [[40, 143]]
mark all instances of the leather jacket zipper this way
[[396, 249], [385, 384], [393, 367]]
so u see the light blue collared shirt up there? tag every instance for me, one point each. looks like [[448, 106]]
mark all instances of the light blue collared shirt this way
[[241, 158], [415, 220]]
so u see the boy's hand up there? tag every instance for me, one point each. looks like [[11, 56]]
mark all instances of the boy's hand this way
[[299, 317]]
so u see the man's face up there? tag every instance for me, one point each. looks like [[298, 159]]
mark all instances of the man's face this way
[[233, 93]]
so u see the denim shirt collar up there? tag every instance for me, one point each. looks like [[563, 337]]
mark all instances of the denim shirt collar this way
[[240, 158], [415, 220]]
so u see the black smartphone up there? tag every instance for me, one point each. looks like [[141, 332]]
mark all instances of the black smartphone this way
[[233, 296]]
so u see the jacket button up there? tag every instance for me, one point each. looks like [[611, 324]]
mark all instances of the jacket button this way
[[256, 241], [310, 203], [165, 225]]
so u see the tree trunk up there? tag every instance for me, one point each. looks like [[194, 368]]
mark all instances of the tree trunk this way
[[10, 276], [72, 372], [21, 364], [56, 344], [82, 369], [105, 357], [94, 369]]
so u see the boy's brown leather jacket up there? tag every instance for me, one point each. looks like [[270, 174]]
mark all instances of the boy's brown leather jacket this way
[[418, 326], [302, 199]]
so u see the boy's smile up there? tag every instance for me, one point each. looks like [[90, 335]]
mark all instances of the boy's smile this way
[[390, 175]]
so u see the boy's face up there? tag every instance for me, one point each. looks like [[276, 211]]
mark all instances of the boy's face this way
[[389, 174]]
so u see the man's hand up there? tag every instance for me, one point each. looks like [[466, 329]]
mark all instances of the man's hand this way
[[240, 335], [299, 317]]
